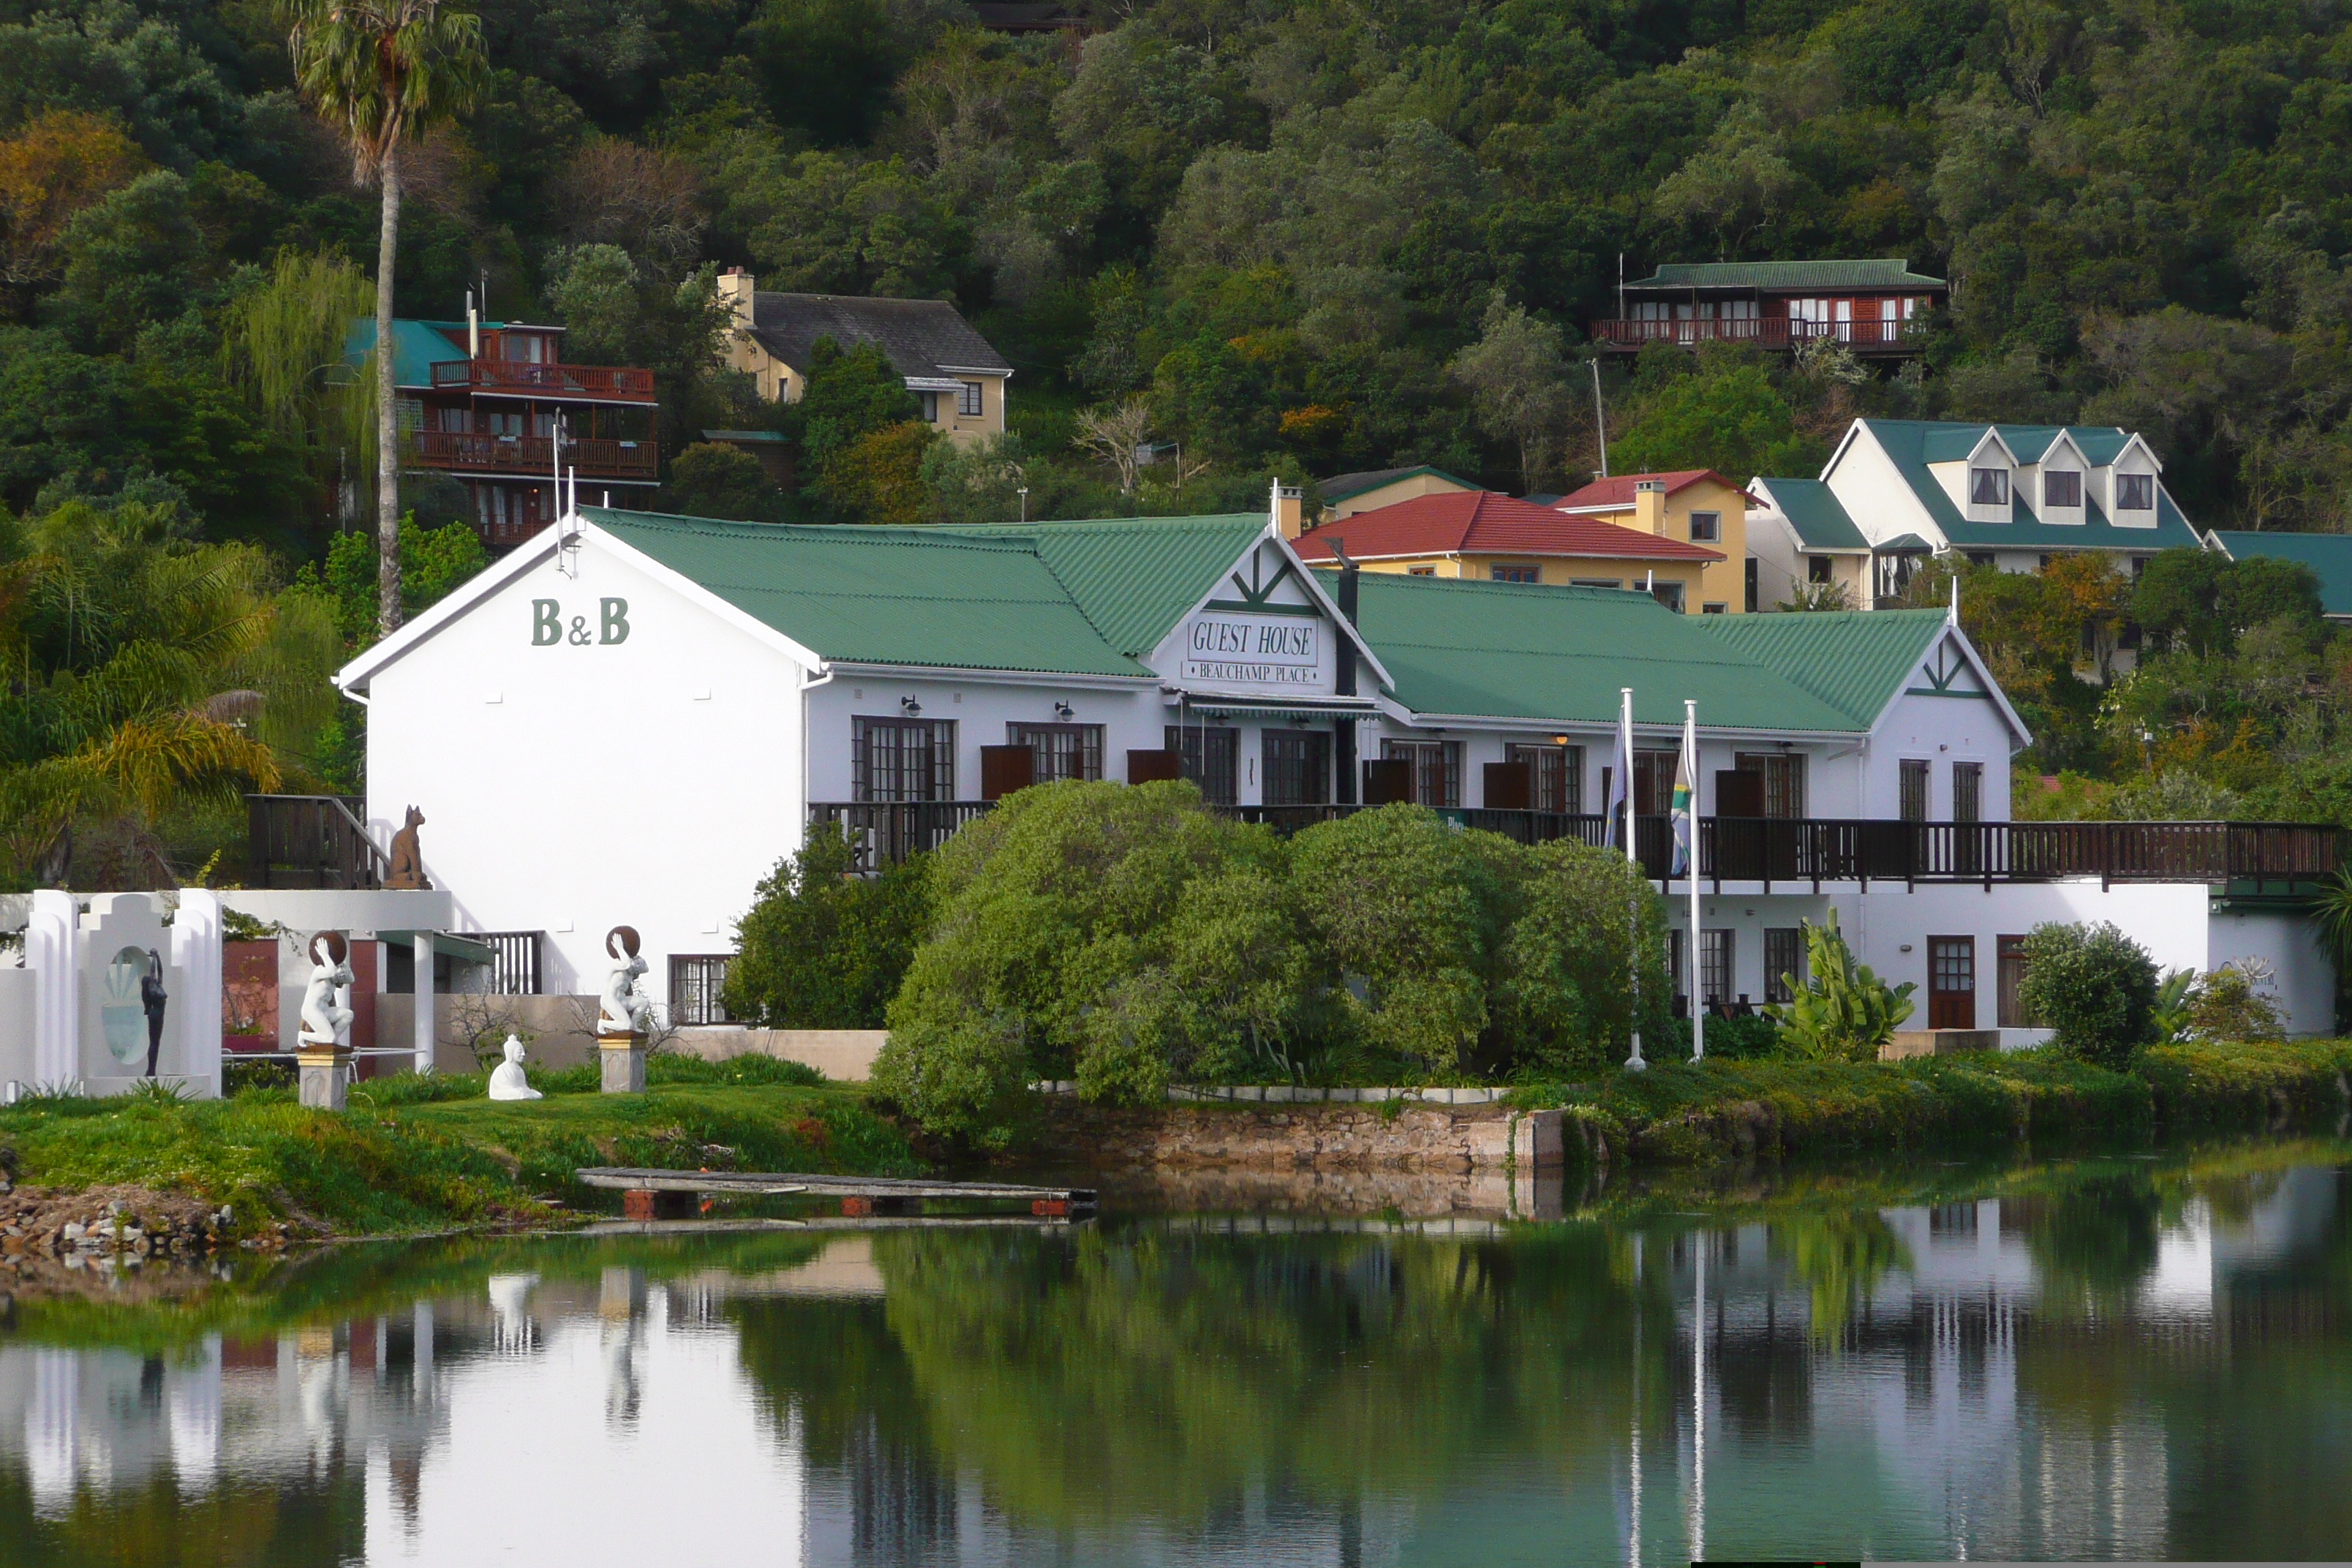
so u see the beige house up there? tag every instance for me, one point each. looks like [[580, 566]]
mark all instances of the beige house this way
[[950, 368], [1345, 495], [1695, 506]]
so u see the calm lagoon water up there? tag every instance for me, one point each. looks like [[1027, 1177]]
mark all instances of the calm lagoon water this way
[[2135, 1357]]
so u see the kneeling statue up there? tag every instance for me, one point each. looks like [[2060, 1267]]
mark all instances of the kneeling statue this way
[[507, 1082]]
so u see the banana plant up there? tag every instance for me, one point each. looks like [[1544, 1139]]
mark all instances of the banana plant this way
[[1842, 1011]]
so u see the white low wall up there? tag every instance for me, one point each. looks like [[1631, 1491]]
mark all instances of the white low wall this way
[[845, 1055]]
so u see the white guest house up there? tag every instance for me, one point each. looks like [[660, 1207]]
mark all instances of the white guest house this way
[[632, 718]]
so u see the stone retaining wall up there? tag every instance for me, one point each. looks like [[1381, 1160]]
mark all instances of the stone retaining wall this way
[[1415, 1137]]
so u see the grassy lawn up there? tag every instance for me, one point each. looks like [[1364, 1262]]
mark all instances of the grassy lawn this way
[[415, 1153]]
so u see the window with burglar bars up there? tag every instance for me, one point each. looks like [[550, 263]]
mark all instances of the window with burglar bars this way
[[1784, 780], [1436, 769], [1914, 781], [1715, 965], [901, 759], [1209, 754], [1297, 767], [1061, 750], [695, 981], [1967, 791], [1784, 954], [1555, 775]]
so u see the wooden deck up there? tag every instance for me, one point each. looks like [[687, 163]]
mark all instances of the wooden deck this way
[[651, 1193]]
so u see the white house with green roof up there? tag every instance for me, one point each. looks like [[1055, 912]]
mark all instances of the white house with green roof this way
[[2011, 496], [633, 717]]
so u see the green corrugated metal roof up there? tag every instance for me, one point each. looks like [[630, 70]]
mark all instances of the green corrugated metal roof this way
[[1340, 486], [1874, 272], [1913, 444], [884, 596], [1854, 660], [1134, 577], [1519, 650], [2329, 556], [417, 348], [1816, 513]]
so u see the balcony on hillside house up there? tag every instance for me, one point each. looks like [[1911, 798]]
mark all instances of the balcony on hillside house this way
[[620, 384], [1873, 307], [486, 454]]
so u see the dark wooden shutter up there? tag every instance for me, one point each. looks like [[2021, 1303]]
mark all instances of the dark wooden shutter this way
[[1004, 769], [1151, 767], [1510, 787], [1388, 779], [1739, 793]]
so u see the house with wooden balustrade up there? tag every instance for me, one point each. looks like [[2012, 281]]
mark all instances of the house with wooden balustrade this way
[[497, 407], [1875, 307]]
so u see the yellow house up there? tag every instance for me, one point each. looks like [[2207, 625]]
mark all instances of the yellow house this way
[[1695, 506], [950, 368], [1496, 538], [1345, 495]]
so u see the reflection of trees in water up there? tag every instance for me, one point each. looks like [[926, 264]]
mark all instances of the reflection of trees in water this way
[[318, 1519], [2092, 1240], [1096, 1376], [1840, 1257]]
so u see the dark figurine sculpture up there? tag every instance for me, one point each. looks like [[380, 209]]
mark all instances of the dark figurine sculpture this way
[[152, 997]]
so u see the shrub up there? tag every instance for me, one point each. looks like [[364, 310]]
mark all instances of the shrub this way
[[2234, 1004], [1072, 900], [822, 947], [2094, 986], [1844, 1011], [1415, 913], [1565, 1002]]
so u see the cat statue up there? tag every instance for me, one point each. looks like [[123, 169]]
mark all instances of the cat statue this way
[[407, 871], [622, 1011], [323, 1023], [507, 1082]]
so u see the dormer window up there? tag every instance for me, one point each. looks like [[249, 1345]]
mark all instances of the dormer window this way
[[1988, 487], [2062, 488], [2135, 493]]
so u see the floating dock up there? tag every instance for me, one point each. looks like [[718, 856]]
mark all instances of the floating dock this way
[[676, 1195]]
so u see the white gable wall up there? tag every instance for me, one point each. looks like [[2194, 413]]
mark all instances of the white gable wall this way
[[582, 784], [1875, 494]]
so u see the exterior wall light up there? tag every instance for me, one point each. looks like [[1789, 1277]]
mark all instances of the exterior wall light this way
[[909, 707], [1063, 710]]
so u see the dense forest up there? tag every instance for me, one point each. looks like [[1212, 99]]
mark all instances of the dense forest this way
[[1278, 238]]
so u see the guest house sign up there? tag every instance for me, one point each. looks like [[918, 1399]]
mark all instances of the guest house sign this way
[[1255, 650]]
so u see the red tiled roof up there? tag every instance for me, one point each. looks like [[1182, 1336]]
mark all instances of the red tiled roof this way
[[1484, 523], [1617, 490]]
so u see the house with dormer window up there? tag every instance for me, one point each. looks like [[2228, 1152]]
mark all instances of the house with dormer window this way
[[2010, 496]]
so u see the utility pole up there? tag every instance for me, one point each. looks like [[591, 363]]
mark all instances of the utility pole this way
[[1600, 414]]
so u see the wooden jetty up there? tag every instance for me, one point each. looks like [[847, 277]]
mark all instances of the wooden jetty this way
[[672, 1194]]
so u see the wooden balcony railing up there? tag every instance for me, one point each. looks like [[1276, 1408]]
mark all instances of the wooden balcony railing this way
[[310, 841], [578, 383], [1810, 850], [473, 453], [1767, 331]]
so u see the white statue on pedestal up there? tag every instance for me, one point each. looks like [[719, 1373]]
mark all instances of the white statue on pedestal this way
[[325, 1024], [623, 1011], [507, 1082]]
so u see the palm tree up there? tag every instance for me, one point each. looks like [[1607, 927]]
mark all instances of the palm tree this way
[[384, 71]]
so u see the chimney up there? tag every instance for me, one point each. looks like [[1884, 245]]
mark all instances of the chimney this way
[[1650, 505], [735, 287], [1287, 510]]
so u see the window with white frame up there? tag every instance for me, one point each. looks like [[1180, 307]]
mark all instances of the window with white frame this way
[[1988, 487], [2135, 493], [2063, 488]]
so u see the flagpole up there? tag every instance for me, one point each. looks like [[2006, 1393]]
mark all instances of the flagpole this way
[[1634, 1062], [1698, 961]]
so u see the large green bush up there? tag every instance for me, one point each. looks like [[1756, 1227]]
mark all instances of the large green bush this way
[[1416, 913], [1106, 931], [823, 948], [2094, 986], [1565, 1002]]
